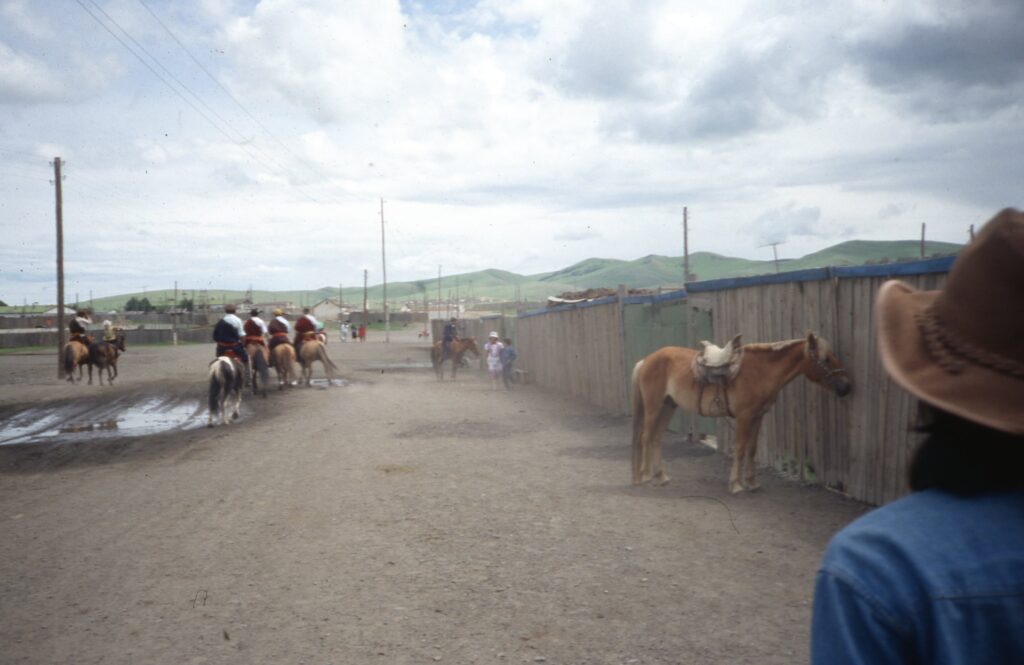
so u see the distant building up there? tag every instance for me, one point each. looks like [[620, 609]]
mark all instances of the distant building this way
[[329, 309]]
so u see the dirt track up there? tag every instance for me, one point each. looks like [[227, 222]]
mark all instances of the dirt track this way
[[392, 520]]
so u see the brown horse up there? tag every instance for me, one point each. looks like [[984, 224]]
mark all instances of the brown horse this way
[[107, 354], [75, 355], [284, 363], [456, 349], [664, 380], [311, 351], [259, 358]]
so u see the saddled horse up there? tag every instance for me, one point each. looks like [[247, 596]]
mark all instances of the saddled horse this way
[[456, 349], [107, 354], [259, 358], [665, 379], [76, 355], [311, 351], [284, 364], [226, 378]]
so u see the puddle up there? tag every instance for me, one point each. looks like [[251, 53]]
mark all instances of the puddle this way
[[323, 384], [376, 367], [70, 422]]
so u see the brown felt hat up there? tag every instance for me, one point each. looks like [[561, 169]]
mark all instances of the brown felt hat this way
[[961, 349]]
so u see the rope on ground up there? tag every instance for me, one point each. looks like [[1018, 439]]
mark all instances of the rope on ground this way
[[728, 510]]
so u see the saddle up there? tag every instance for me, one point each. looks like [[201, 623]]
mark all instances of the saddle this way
[[719, 367]]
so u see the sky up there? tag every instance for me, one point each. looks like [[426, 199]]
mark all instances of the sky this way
[[229, 143]]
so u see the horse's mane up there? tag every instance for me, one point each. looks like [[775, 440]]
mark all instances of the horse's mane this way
[[773, 346], [823, 345]]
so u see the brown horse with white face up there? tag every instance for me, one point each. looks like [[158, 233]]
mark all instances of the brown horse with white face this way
[[311, 351], [457, 348], [664, 380]]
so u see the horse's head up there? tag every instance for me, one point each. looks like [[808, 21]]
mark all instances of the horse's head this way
[[119, 343], [824, 367], [470, 343]]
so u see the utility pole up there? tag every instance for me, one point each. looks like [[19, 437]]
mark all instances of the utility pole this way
[[686, 247], [60, 267], [384, 272], [439, 291], [970, 232], [922, 239], [366, 312]]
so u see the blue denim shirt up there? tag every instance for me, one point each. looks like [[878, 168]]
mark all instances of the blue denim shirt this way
[[930, 578]]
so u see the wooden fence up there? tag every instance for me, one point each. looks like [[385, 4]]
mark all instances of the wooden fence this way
[[48, 338], [858, 444]]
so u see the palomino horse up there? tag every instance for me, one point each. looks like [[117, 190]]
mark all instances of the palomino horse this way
[[284, 363], [226, 377], [311, 351], [75, 355], [664, 380], [456, 349], [106, 358], [259, 357]]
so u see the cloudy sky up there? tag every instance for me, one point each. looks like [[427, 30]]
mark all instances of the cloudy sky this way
[[223, 143]]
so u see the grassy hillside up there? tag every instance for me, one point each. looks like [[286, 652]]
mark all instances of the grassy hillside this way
[[648, 272]]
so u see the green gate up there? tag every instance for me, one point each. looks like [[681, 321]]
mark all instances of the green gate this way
[[651, 322]]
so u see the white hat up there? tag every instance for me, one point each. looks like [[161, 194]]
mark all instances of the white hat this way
[[493, 334]]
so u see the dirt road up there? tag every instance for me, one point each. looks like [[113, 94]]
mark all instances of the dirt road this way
[[391, 520]]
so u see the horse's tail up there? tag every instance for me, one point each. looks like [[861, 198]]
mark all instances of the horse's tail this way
[[216, 383], [637, 403], [321, 354]]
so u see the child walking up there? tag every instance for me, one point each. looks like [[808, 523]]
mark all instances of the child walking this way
[[508, 356], [492, 349]]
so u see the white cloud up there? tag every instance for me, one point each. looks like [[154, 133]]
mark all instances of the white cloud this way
[[518, 134]]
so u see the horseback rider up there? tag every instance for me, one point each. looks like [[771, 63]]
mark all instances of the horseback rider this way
[[254, 328], [228, 334], [279, 329], [305, 329], [77, 327], [449, 335]]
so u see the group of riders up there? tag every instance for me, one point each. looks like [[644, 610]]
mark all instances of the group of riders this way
[[232, 335], [79, 334]]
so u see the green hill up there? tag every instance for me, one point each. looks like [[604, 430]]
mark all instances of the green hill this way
[[648, 272]]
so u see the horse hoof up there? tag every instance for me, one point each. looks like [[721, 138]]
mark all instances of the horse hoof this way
[[735, 487]]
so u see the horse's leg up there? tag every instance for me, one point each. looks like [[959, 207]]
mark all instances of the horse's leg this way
[[744, 425], [750, 470], [650, 438], [668, 408]]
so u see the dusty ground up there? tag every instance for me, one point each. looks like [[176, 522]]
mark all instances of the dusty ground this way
[[392, 520]]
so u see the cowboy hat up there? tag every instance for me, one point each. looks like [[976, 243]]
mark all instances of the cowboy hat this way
[[493, 334], [254, 312], [961, 349], [278, 311]]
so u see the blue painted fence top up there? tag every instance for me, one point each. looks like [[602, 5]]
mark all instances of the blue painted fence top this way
[[923, 267]]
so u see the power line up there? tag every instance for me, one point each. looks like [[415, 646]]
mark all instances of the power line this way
[[175, 90], [226, 91]]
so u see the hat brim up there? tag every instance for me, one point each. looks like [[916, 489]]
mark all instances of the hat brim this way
[[976, 393]]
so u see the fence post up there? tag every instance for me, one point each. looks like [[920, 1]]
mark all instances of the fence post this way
[[622, 342]]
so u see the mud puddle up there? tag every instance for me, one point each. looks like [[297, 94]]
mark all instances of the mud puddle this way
[[69, 422]]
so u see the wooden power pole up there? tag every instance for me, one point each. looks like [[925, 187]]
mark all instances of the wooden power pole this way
[[922, 239], [686, 247], [365, 310], [384, 273], [60, 268]]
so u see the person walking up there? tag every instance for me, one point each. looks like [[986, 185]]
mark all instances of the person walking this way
[[508, 356], [492, 351], [938, 576], [344, 331]]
